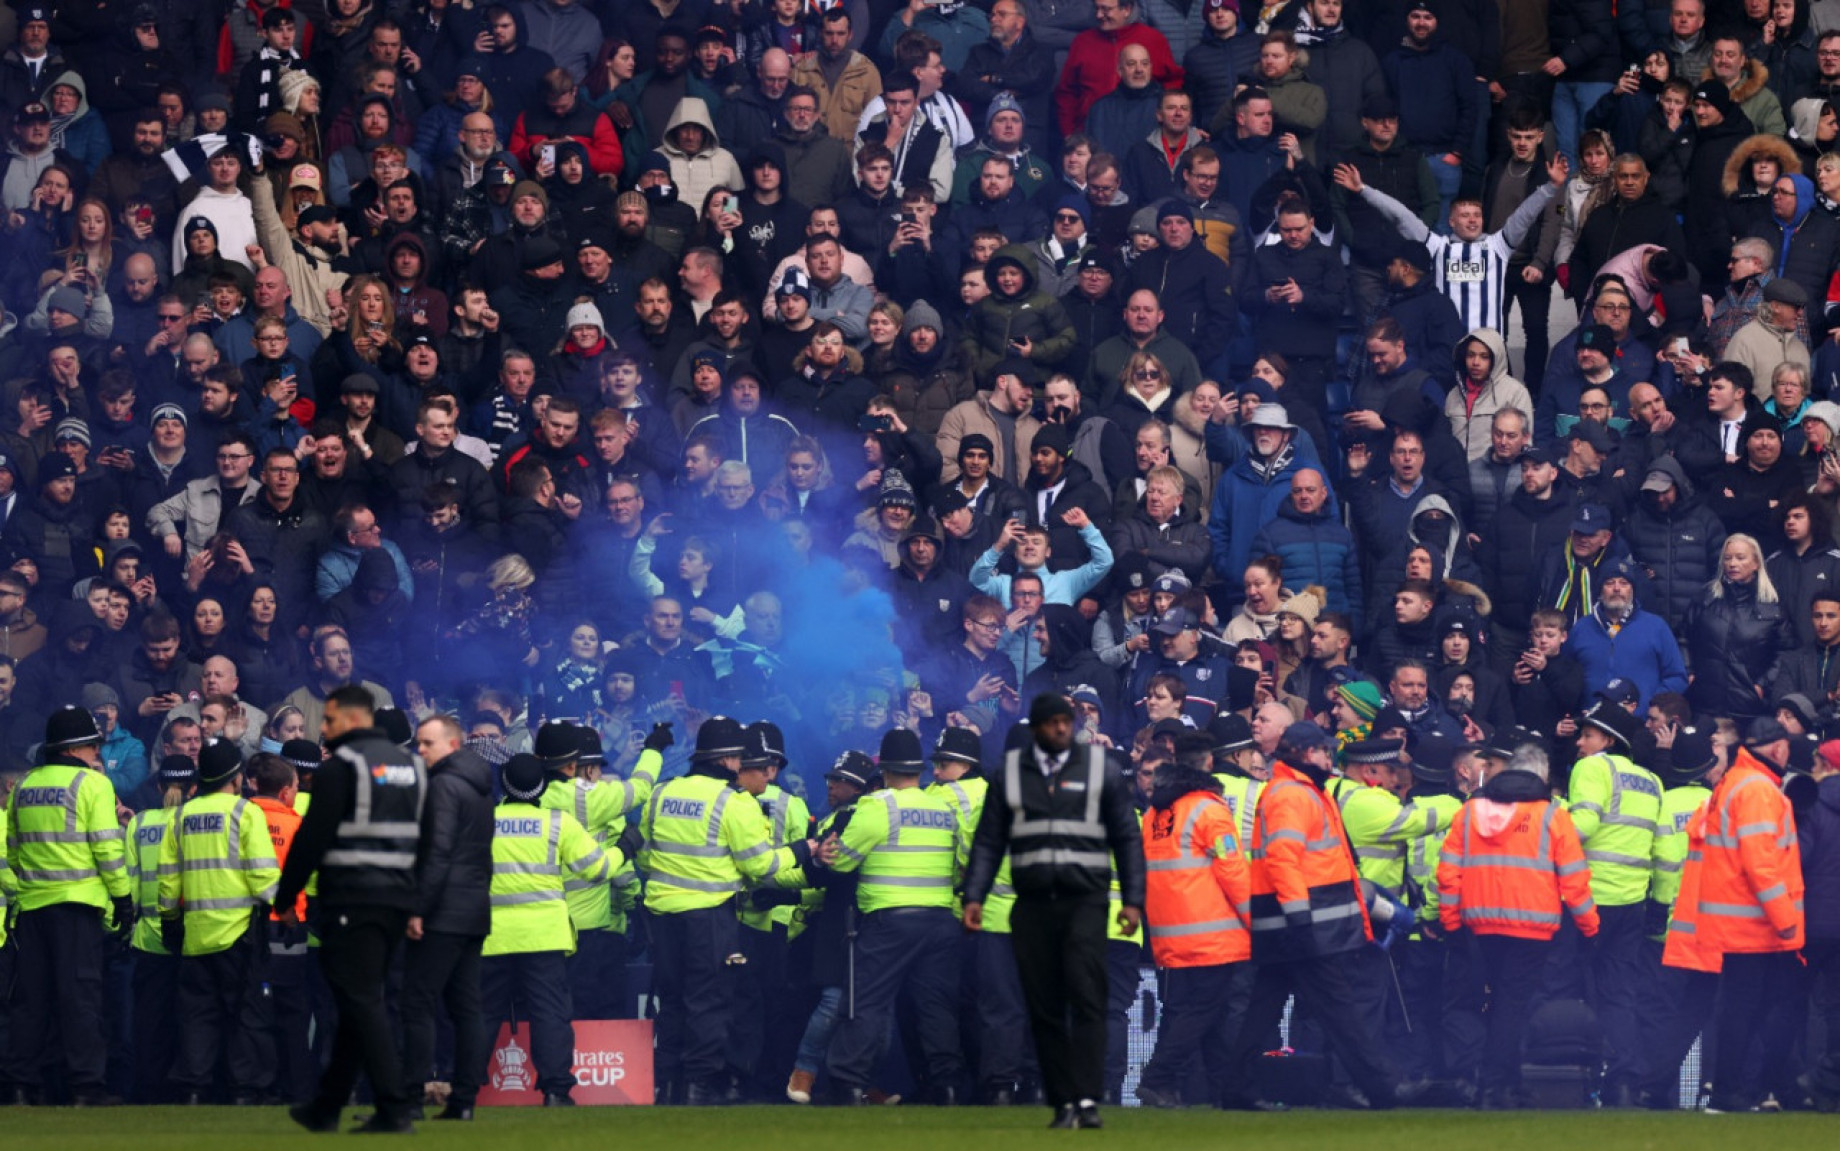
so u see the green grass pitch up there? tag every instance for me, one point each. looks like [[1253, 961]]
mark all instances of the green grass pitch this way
[[925, 1129]]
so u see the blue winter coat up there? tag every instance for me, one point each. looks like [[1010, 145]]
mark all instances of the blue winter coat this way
[[1244, 502], [1643, 651], [1318, 550]]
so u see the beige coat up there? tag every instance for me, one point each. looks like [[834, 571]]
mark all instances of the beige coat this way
[[973, 416], [1760, 347]]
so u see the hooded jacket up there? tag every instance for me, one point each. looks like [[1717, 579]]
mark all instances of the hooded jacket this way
[[1472, 417], [1680, 547], [1029, 314], [1747, 206], [1070, 661], [81, 133], [712, 166], [1807, 246]]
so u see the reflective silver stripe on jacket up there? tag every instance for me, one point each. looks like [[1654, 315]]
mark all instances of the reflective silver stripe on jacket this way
[[389, 850]]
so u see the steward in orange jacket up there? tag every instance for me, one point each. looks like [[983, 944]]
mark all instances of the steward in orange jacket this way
[[1196, 905], [1739, 913], [1511, 858], [1309, 921]]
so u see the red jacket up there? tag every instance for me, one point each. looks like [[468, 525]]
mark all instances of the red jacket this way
[[584, 123], [1092, 70]]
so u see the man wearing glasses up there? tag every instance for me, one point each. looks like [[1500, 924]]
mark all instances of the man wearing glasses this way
[[975, 679], [200, 504], [281, 535]]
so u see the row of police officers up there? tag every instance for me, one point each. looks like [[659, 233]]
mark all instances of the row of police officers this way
[[1415, 916]]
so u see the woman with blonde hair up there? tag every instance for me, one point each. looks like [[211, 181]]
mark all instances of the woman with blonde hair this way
[[497, 635], [1145, 389], [364, 329], [1735, 630]]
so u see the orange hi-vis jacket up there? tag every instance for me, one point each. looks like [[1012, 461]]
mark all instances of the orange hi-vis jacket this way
[[1198, 896], [1507, 866], [1742, 887], [283, 825], [1307, 901]]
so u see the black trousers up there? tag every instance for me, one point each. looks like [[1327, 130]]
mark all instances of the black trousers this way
[[695, 986], [761, 985], [1124, 975], [293, 978], [1762, 1000], [1002, 1016], [356, 947], [1464, 1035], [1060, 959], [532, 986], [155, 1026], [1534, 302], [1324, 987], [1824, 978], [58, 990], [224, 1015], [1621, 968], [442, 970], [1196, 1005], [597, 976], [1511, 971], [1679, 1009], [911, 950]]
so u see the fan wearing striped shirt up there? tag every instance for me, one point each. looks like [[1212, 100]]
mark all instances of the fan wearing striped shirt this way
[[1469, 266]]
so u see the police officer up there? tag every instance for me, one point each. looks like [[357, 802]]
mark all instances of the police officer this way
[[1064, 816], [1615, 805], [1445, 1040], [1240, 770], [360, 835], [831, 924], [597, 967], [1379, 830], [702, 849], [766, 913], [904, 845], [218, 873], [155, 979], [525, 973], [70, 866]]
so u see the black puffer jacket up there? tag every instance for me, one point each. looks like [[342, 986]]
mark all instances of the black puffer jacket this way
[[1679, 547], [1732, 641], [453, 864]]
